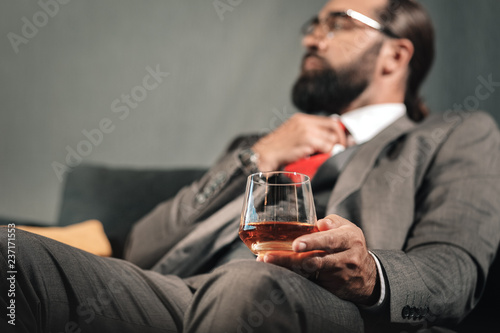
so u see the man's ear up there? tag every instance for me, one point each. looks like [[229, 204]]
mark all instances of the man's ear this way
[[397, 54]]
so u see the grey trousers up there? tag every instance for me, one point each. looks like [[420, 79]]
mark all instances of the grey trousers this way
[[62, 289]]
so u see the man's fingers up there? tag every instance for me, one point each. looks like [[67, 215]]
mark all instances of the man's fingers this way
[[331, 241], [329, 223], [334, 130], [301, 136], [332, 133], [339, 130], [304, 264], [335, 221], [309, 263], [341, 260], [322, 142], [334, 236]]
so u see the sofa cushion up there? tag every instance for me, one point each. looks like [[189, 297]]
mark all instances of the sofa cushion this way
[[118, 197], [88, 236]]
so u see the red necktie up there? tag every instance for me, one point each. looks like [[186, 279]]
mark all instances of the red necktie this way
[[310, 165]]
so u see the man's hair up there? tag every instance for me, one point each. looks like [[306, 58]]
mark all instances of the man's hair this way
[[408, 19]]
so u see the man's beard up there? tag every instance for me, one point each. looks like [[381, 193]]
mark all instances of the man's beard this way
[[330, 91]]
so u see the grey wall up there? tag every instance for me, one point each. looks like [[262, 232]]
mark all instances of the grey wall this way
[[227, 74], [467, 48]]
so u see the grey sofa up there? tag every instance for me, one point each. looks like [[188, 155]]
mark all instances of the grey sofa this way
[[119, 197]]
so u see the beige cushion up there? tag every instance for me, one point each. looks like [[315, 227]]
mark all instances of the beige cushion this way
[[88, 236]]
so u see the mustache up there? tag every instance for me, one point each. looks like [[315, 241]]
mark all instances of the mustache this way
[[312, 54]]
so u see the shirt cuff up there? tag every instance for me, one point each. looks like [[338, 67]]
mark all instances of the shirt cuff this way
[[383, 288]]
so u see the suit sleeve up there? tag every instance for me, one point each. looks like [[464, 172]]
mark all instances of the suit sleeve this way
[[152, 236], [440, 275]]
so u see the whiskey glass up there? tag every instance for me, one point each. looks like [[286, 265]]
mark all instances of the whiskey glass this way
[[278, 208]]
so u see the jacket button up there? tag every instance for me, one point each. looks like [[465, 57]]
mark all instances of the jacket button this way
[[208, 189], [406, 312], [412, 312], [220, 177], [417, 315], [200, 198], [421, 313]]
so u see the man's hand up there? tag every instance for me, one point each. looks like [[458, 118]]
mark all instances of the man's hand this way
[[337, 256], [300, 136]]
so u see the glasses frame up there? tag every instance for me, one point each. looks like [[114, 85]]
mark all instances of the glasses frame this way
[[310, 26]]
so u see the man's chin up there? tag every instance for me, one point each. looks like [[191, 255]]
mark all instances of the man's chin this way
[[313, 65], [313, 109]]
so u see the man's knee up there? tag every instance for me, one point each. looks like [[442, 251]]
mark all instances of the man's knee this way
[[246, 267], [19, 242], [7, 242], [26, 253], [10, 241], [257, 279], [247, 292], [260, 297]]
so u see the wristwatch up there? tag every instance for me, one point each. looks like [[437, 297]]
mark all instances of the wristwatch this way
[[249, 160]]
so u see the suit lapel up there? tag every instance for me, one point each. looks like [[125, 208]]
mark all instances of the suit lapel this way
[[357, 169]]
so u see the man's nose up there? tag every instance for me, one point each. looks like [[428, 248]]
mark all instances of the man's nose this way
[[314, 41]]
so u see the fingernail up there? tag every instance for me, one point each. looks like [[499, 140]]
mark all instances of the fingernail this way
[[302, 246], [328, 221]]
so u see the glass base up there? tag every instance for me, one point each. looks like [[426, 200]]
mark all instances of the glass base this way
[[261, 247]]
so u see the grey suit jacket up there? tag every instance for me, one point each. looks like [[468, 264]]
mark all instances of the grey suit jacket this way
[[427, 197]]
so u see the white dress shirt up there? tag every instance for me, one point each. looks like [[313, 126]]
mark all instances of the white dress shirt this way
[[365, 123]]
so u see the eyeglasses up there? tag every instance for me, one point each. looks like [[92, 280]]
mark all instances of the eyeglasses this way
[[346, 20]]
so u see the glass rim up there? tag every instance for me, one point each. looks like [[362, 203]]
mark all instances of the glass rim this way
[[306, 178]]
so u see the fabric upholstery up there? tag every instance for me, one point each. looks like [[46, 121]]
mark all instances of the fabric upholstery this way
[[118, 197]]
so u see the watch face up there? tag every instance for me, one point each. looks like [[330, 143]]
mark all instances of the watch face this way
[[246, 156]]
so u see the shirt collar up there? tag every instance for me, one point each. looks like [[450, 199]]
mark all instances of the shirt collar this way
[[366, 122]]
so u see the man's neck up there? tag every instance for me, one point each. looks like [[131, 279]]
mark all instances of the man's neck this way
[[353, 106], [379, 93]]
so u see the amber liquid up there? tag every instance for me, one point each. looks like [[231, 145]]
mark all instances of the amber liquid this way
[[273, 236]]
